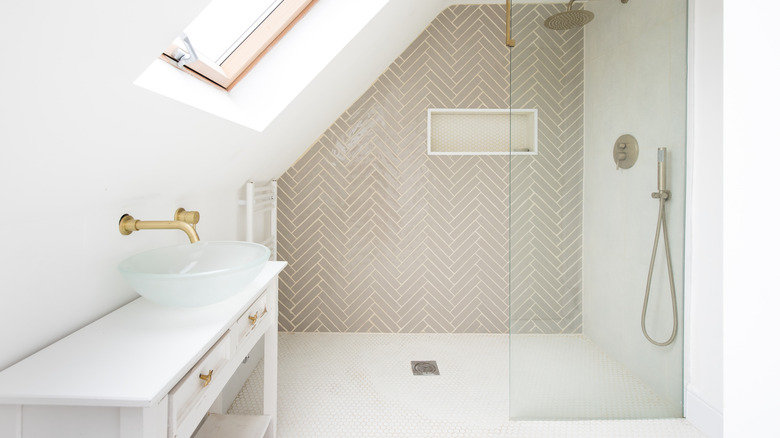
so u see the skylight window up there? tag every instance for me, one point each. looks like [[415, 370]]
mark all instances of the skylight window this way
[[225, 24], [230, 36]]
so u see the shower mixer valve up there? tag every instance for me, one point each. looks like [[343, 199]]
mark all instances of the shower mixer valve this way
[[625, 152]]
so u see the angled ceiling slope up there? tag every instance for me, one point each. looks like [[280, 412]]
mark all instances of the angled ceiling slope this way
[[301, 86], [350, 41]]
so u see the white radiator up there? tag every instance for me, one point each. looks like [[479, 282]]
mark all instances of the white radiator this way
[[260, 202]]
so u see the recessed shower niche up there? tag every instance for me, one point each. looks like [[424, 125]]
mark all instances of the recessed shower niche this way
[[482, 131]]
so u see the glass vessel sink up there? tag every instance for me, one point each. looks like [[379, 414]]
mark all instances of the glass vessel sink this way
[[194, 274]]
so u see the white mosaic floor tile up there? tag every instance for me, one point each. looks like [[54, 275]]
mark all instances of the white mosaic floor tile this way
[[361, 385], [569, 377]]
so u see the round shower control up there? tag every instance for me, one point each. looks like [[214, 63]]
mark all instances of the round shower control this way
[[625, 152]]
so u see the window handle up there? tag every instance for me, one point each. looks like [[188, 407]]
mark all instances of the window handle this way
[[184, 56]]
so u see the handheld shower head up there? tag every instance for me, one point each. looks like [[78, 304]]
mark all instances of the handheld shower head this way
[[661, 170], [662, 195]]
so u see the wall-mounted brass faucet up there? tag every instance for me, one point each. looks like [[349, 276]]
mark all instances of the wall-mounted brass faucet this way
[[182, 220]]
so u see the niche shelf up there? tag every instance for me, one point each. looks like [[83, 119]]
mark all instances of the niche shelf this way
[[482, 131]]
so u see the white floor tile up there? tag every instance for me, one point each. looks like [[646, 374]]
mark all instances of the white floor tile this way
[[361, 385], [569, 377]]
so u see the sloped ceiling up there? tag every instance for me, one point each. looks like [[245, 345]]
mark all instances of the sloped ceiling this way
[[307, 80]]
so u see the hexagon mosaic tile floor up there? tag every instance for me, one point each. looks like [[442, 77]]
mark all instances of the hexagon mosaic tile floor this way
[[334, 385]]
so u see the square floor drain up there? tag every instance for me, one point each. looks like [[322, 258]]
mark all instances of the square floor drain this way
[[425, 368]]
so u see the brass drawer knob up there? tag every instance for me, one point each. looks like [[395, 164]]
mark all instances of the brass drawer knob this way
[[254, 317], [206, 377]]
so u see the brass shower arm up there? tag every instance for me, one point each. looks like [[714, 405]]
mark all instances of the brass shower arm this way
[[509, 41]]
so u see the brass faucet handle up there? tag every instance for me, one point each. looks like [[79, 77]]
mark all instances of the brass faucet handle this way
[[190, 217]]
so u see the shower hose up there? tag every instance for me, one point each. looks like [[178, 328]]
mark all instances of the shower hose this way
[[662, 196]]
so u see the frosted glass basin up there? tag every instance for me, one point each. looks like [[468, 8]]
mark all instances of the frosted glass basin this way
[[194, 274]]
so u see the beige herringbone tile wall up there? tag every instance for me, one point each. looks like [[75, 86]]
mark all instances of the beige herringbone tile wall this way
[[381, 237], [546, 190]]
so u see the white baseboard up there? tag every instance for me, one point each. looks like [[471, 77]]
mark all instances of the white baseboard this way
[[703, 416]]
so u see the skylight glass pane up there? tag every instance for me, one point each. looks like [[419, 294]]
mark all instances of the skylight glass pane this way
[[224, 24]]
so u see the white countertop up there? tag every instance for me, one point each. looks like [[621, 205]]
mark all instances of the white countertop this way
[[131, 357]]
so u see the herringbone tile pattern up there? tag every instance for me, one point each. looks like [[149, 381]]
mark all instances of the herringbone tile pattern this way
[[546, 222], [381, 237]]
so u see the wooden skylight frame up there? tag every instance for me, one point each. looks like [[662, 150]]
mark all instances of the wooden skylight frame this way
[[249, 52]]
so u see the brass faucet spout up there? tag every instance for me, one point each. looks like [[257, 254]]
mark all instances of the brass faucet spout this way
[[128, 224]]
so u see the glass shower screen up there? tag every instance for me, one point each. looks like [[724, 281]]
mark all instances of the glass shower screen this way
[[581, 230]]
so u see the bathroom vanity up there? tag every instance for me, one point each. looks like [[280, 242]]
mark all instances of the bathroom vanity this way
[[148, 371]]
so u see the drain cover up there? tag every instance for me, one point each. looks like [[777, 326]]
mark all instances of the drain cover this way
[[425, 368]]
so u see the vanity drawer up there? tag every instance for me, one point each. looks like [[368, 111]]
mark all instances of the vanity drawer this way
[[187, 400], [251, 320]]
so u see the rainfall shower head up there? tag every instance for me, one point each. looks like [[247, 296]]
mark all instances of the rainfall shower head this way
[[569, 19]]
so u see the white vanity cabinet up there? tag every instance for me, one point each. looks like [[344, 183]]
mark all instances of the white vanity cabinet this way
[[147, 371]]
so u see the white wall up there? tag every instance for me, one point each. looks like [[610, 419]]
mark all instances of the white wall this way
[[81, 146], [751, 153], [704, 249], [635, 82]]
